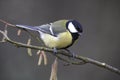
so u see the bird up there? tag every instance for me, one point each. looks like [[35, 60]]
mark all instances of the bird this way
[[60, 34]]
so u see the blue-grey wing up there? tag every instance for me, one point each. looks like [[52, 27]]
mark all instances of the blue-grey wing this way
[[42, 28], [51, 29], [46, 28]]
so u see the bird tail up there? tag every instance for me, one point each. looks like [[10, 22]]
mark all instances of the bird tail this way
[[27, 27]]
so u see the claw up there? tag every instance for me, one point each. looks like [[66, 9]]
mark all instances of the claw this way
[[72, 53]]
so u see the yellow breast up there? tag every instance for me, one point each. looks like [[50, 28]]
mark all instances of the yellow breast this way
[[61, 41]]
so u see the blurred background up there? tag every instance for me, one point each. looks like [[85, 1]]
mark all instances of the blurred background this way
[[100, 40]]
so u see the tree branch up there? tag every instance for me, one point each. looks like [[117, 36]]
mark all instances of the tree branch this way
[[63, 53]]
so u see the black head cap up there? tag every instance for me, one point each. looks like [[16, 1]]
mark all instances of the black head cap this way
[[76, 24]]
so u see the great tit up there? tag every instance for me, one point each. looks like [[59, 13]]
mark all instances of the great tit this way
[[60, 34]]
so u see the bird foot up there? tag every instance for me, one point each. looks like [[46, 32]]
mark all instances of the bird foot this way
[[54, 50], [72, 53]]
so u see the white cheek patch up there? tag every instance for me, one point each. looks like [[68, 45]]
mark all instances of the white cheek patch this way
[[72, 28]]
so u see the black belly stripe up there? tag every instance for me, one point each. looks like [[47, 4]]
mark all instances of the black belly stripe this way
[[74, 38]]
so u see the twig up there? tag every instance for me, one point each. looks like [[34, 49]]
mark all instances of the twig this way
[[84, 59], [100, 64], [7, 23]]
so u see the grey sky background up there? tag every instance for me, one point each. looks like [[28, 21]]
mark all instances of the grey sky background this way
[[100, 40]]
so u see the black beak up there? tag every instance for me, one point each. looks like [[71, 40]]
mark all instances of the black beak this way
[[80, 34]]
